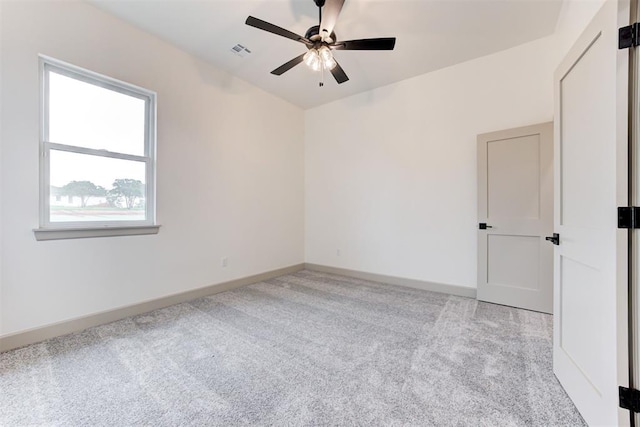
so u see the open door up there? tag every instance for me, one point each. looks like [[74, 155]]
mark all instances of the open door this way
[[590, 354], [515, 211]]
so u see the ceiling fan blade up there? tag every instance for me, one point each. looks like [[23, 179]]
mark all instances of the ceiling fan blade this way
[[330, 12], [339, 74], [266, 26], [386, 43], [289, 65]]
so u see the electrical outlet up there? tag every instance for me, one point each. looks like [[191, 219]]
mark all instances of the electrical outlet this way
[[224, 262]]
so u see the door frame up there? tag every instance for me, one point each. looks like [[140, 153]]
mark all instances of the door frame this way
[[634, 200]]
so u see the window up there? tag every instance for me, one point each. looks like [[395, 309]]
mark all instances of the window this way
[[98, 150]]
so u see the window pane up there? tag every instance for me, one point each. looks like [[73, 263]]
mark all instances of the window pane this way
[[91, 116], [94, 188]]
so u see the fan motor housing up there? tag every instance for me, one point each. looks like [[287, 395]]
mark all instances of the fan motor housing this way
[[313, 34]]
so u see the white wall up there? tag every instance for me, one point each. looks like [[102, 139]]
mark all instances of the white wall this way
[[1, 197], [574, 17], [230, 173], [392, 183], [391, 173]]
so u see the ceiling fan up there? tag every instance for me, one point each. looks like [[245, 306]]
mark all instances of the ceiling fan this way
[[321, 41]]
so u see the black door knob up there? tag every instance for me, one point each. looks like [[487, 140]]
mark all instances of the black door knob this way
[[555, 239]]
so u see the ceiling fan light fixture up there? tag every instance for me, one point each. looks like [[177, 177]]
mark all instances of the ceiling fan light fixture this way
[[320, 40]]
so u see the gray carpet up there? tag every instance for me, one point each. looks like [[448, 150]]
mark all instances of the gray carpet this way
[[303, 349]]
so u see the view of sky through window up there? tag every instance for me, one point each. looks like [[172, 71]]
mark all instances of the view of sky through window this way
[[90, 116]]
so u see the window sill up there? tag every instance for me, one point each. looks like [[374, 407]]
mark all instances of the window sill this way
[[82, 233]]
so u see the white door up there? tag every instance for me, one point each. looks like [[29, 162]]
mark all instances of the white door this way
[[515, 211], [590, 281]]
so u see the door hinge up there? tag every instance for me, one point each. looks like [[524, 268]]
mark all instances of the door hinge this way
[[629, 399], [628, 217], [629, 36]]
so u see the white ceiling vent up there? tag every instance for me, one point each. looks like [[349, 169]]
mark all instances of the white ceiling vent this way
[[240, 50]]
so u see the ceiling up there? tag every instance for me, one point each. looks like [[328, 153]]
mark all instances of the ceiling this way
[[431, 34]]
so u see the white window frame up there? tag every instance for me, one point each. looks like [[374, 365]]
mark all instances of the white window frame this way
[[63, 230]]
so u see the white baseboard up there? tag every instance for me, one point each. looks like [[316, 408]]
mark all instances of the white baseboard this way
[[462, 291], [31, 336]]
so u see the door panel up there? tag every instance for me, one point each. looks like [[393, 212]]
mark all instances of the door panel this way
[[513, 261], [581, 169], [580, 336], [515, 187], [590, 161]]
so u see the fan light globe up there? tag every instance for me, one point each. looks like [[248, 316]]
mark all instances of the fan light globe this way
[[330, 64], [327, 58], [312, 59], [325, 53], [309, 57]]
